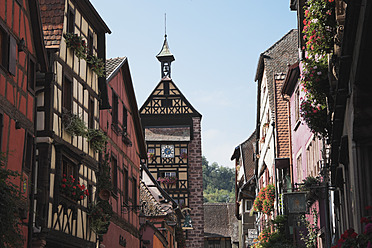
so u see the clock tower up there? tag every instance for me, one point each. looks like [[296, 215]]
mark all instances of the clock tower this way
[[172, 128]]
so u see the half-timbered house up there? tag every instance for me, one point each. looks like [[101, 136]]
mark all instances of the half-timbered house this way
[[160, 215], [22, 57], [126, 149], [68, 103], [173, 136]]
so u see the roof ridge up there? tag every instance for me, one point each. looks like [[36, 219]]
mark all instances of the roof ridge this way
[[278, 41]]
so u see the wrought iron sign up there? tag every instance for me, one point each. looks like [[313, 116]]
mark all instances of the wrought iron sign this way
[[122, 241]]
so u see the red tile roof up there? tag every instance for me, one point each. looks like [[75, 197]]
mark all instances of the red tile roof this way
[[52, 15]]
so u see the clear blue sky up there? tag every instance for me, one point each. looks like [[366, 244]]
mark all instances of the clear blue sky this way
[[216, 45]]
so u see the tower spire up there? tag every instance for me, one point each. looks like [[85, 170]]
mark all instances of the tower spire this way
[[165, 56], [165, 25]]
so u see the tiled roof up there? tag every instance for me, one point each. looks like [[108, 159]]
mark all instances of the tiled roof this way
[[153, 201], [220, 221], [167, 134], [276, 60], [247, 151], [52, 14], [112, 65]]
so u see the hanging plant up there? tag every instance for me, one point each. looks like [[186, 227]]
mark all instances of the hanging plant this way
[[99, 216], [313, 109], [74, 125], [77, 44], [97, 65], [319, 26], [313, 186], [97, 139]]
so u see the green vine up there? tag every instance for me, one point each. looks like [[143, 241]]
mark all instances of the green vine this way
[[310, 238], [11, 202], [101, 212]]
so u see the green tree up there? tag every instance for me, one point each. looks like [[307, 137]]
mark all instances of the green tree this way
[[218, 182]]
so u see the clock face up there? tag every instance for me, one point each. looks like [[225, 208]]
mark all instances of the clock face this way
[[167, 151]]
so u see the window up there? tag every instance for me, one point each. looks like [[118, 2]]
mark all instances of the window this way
[[90, 43], [70, 20], [299, 168], [214, 244], [134, 193], [3, 48], [12, 55], [297, 105], [67, 95], [248, 205], [68, 168], [1, 130], [114, 175], [90, 190], [91, 113], [125, 119], [31, 74], [29, 152], [115, 108], [8, 51], [125, 185], [168, 174]]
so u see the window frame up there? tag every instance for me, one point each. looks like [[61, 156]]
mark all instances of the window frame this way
[[115, 109], [297, 105], [67, 91], [31, 74], [125, 185], [114, 174], [125, 119], [28, 152], [91, 111], [134, 191], [70, 28]]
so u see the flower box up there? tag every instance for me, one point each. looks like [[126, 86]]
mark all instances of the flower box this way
[[183, 155], [70, 188], [77, 44], [167, 180], [150, 155]]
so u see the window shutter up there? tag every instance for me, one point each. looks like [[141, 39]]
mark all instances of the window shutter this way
[[12, 55]]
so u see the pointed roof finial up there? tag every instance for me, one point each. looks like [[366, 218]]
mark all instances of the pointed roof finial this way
[[165, 25], [165, 52]]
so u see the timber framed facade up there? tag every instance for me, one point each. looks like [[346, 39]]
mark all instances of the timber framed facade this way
[[127, 150], [173, 137], [22, 58], [71, 88]]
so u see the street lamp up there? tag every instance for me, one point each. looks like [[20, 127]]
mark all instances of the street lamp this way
[[187, 223]]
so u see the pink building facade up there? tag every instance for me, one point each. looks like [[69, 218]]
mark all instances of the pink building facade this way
[[306, 148]]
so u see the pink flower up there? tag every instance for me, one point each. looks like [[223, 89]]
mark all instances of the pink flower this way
[[364, 220], [368, 228]]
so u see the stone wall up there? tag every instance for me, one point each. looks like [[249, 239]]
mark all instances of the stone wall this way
[[195, 237]]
